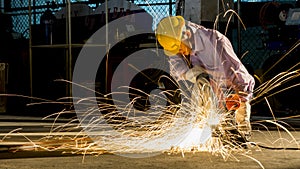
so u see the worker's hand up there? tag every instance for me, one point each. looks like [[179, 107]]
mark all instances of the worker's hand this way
[[192, 74]]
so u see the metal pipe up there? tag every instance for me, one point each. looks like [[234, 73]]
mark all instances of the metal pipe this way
[[106, 44], [34, 11], [2, 6], [170, 7], [30, 50], [69, 49], [239, 29]]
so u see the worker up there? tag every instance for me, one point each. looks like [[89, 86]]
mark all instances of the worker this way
[[194, 50]]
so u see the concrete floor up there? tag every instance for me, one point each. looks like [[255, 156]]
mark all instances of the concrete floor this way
[[269, 159]]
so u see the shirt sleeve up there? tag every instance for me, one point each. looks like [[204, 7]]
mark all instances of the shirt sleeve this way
[[239, 77], [178, 67]]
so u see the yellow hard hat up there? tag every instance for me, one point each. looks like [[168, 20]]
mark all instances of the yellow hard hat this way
[[169, 34]]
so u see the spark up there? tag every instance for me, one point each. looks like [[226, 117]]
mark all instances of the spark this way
[[121, 129]]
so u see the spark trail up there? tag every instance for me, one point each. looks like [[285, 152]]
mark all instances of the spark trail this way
[[121, 129]]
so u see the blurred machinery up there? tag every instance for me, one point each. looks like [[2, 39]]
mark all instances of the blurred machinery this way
[[207, 13], [281, 25], [84, 21], [200, 12]]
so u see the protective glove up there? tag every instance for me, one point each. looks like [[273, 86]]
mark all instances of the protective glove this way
[[192, 74], [242, 117], [232, 102]]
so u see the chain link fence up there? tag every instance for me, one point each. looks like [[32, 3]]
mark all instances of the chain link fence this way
[[20, 15], [252, 45]]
